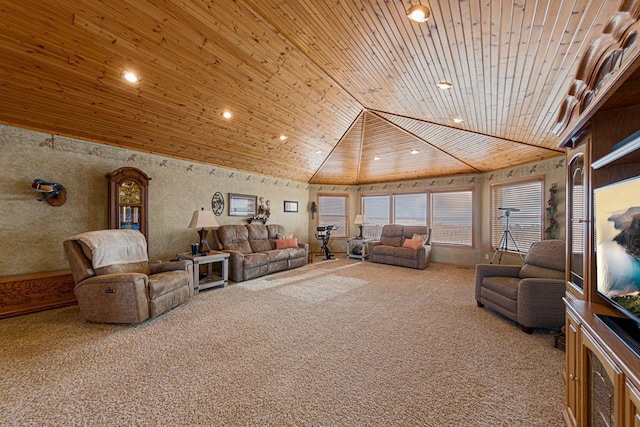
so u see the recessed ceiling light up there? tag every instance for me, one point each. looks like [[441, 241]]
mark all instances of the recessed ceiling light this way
[[444, 85], [227, 114], [418, 13], [130, 77], [414, 151], [376, 157], [283, 137], [318, 151], [458, 120]]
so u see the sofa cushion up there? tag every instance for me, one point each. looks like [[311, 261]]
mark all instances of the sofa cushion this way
[[242, 247], [391, 241], [255, 260], [133, 267], [532, 271], [274, 230], [262, 245], [507, 286], [383, 250], [257, 232], [161, 283], [548, 254], [406, 253]]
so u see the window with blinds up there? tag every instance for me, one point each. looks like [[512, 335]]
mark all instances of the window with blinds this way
[[376, 210], [332, 210], [452, 217], [410, 209], [525, 217]]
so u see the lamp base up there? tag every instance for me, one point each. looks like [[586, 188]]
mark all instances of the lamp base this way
[[360, 236], [204, 245]]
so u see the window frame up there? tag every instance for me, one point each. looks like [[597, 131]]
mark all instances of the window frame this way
[[336, 233], [473, 216], [495, 215]]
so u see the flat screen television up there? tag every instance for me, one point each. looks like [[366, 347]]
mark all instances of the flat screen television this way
[[617, 227]]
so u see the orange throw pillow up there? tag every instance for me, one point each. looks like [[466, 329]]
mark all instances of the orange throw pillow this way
[[287, 243], [412, 244]]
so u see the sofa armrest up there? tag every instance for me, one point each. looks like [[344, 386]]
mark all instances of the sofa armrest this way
[[305, 246], [161, 267], [493, 270], [236, 265], [540, 303]]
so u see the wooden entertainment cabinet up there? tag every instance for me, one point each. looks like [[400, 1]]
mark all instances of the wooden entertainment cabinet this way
[[602, 373]]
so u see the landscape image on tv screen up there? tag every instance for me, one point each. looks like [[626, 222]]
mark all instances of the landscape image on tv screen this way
[[617, 213]]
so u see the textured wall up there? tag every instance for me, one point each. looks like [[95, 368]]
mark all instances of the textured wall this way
[[33, 231]]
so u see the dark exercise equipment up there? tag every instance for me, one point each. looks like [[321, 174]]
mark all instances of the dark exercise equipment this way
[[324, 234]]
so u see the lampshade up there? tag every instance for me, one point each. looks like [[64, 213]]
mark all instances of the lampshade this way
[[202, 219], [418, 13], [359, 219]]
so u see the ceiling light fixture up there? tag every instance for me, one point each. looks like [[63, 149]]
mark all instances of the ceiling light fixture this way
[[458, 120], [318, 151], [227, 114], [376, 157], [414, 151], [418, 13], [283, 137], [130, 77], [444, 85]]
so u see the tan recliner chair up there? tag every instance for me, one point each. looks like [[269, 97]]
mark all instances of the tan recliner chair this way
[[115, 282], [530, 295]]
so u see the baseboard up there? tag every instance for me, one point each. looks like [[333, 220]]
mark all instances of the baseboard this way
[[28, 293]]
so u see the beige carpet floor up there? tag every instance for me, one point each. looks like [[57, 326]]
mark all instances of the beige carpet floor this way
[[334, 343]]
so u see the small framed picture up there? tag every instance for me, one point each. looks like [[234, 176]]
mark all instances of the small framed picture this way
[[290, 206], [242, 205]]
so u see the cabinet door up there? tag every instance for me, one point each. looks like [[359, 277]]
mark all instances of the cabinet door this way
[[632, 406], [602, 386], [572, 411], [577, 218]]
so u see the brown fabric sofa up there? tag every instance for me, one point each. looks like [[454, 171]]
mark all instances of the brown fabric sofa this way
[[530, 295], [253, 252], [114, 281], [389, 250]]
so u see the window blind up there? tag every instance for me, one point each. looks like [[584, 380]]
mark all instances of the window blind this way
[[452, 218], [333, 211], [525, 225]]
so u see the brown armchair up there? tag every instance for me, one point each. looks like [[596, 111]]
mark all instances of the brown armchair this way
[[530, 295], [115, 282]]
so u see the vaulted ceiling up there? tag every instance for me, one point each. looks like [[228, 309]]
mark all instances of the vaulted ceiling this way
[[346, 82]]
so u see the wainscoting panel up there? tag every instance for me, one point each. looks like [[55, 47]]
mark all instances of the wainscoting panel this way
[[27, 293]]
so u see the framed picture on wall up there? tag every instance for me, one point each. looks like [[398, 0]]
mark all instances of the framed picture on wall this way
[[290, 206], [242, 205]]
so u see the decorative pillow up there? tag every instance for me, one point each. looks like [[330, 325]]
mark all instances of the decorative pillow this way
[[422, 237], [282, 236], [287, 243], [412, 244]]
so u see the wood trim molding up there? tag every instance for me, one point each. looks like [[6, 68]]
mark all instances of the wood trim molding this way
[[28, 293], [606, 57]]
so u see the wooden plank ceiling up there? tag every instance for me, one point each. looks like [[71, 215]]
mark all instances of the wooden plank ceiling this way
[[344, 81]]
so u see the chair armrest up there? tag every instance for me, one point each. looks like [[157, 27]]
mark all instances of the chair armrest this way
[[540, 302], [161, 267], [493, 270], [117, 282], [304, 246]]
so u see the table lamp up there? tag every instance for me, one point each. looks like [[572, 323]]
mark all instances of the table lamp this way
[[202, 219], [359, 221]]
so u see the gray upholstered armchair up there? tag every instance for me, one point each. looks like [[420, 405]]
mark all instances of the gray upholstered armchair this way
[[530, 295], [115, 282]]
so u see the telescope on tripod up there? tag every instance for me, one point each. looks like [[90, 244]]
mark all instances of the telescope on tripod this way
[[503, 246]]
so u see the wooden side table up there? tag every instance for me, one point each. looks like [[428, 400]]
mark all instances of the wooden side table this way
[[352, 243], [212, 280]]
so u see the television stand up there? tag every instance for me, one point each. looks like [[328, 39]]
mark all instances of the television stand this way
[[626, 329]]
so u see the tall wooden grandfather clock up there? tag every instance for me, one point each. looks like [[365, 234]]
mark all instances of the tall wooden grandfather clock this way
[[129, 200]]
